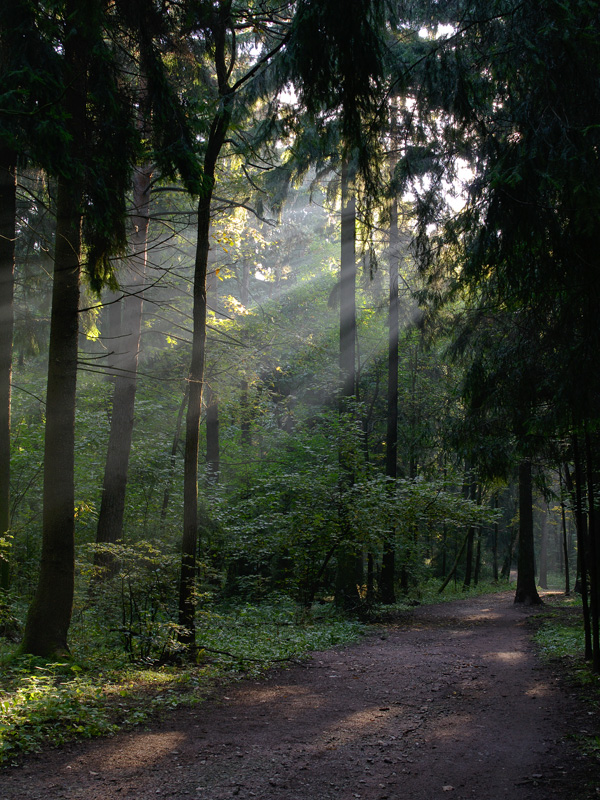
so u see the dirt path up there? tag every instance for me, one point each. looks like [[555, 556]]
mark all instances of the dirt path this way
[[453, 704]]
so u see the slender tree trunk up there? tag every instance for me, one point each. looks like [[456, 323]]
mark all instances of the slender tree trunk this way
[[576, 493], [213, 455], [565, 541], [8, 211], [245, 424], [593, 525], [172, 457], [543, 579], [112, 507], [218, 132], [349, 570], [508, 559], [495, 543], [477, 556], [526, 589], [348, 286], [196, 381], [388, 566], [212, 436], [452, 572], [470, 492]]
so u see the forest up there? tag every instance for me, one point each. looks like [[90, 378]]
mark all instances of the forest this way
[[298, 323]]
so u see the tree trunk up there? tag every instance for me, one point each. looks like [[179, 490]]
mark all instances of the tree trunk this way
[[49, 615], [172, 457], [348, 287], [8, 211], [495, 543], [576, 492], [594, 549], [477, 556], [349, 563], [214, 144], [388, 566], [470, 493], [245, 423], [565, 541], [543, 578], [213, 465], [448, 577], [526, 589], [112, 507]]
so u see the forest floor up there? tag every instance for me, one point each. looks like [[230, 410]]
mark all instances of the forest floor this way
[[449, 701]]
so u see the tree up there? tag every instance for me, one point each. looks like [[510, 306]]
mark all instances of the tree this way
[[218, 27], [526, 591], [29, 77], [127, 345], [93, 173], [8, 182]]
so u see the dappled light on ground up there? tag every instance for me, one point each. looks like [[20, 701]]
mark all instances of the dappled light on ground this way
[[420, 713]]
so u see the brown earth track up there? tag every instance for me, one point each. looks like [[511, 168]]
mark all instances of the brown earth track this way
[[450, 702]]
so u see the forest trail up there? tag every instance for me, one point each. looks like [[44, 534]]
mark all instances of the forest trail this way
[[450, 702]]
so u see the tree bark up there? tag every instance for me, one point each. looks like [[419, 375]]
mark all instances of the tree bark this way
[[349, 562], [576, 492], [495, 543], [594, 550], [216, 139], [348, 286], [8, 211], [526, 589], [245, 423], [565, 541], [543, 576], [172, 457], [49, 615], [388, 565], [112, 507], [213, 456]]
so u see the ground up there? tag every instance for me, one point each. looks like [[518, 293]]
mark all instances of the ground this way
[[450, 701]]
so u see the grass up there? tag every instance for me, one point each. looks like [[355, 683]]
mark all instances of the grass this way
[[98, 692], [559, 636]]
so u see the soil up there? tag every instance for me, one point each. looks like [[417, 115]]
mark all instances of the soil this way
[[450, 701]]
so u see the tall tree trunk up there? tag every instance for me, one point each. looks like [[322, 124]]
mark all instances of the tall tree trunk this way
[[8, 211], [213, 457], [388, 566], [349, 562], [49, 615], [112, 507], [469, 491], [526, 589], [543, 578], [495, 543], [594, 549], [172, 457], [214, 144], [245, 424], [348, 286], [565, 541], [576, 492]]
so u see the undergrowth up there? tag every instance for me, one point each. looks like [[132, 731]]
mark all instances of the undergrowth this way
[[98, 691], [103, 687]]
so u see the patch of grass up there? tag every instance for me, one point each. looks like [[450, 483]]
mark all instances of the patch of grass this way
[[98, 691], [559, 635]]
